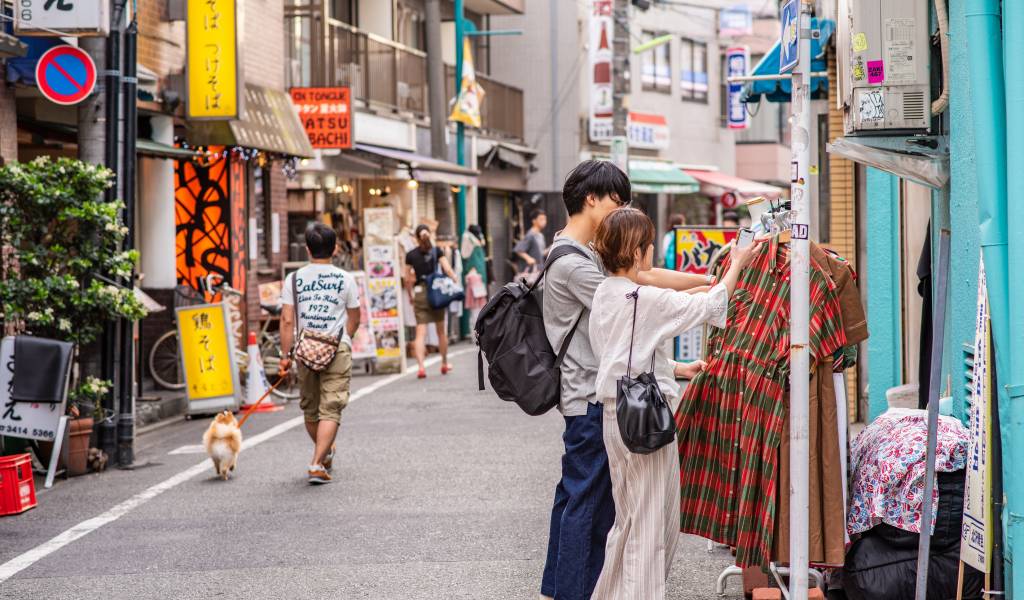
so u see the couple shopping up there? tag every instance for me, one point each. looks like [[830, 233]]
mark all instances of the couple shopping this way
[[615, 520]]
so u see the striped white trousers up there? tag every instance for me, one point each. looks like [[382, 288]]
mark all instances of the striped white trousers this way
[[642, 543]]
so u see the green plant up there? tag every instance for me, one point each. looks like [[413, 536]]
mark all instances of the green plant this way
[[91, 392], [60, 235]]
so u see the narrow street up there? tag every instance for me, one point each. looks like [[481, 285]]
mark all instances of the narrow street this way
[[440, 492]]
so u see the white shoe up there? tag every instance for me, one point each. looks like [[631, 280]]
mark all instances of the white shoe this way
[[318, 475]]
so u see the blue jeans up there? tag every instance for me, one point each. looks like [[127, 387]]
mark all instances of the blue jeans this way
[[583, 512]]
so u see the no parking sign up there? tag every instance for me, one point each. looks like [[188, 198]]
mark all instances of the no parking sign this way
[[65, 75]]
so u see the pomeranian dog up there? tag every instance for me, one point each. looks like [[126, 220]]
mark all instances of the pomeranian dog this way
[[223, 442]]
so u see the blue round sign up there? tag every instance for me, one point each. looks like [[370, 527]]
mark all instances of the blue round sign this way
[[65, 75]]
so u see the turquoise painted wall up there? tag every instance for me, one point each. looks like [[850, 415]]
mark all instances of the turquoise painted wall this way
[[963, 209], [883, 288]]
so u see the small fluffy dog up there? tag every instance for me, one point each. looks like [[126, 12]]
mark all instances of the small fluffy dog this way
[[223, 442]]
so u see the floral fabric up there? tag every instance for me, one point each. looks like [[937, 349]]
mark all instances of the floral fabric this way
[[888, 464]]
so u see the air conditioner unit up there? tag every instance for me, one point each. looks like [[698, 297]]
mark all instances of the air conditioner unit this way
[[883, 53]]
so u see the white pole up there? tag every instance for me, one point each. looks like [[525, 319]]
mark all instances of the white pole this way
[[799, 502]]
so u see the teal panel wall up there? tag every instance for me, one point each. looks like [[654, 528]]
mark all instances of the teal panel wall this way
[[883, 282]]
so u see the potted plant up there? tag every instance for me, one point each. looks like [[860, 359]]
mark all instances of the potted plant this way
[[63, 245]]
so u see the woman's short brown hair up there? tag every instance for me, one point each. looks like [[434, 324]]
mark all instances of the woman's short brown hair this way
[[620, 235]]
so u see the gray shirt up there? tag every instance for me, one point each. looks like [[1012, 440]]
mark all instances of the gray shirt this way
[[569, 288], [533, 244]]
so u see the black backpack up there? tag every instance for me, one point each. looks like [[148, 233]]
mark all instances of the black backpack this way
[[522, 367]]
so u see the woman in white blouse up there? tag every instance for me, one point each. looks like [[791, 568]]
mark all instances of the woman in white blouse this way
[[645, 487]]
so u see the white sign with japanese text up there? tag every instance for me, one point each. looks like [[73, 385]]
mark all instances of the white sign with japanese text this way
[[62, 17], [34, 421]]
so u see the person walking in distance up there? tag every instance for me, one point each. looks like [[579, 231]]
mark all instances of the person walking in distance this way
[[632, 326], [321, 298], [583, 510], [532, 249], [424, 259]]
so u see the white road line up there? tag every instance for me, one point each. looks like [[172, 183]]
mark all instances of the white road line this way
[[23, 561]]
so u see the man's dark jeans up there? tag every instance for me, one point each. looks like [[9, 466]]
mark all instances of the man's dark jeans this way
[[583, 512]]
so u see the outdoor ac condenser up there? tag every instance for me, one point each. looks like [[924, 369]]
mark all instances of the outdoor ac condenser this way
[[883, 53]]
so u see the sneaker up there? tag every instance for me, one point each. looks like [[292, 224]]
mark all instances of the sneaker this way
[[318, 475], [329, 459], [446, 369]]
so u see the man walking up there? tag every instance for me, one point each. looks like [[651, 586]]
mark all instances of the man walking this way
[[583, 510], [321, 298], [532, 249]]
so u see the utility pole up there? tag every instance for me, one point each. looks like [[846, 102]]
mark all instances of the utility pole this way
[[126, 387], [799, 296], [438, 106], [620, 84], [91, 116]]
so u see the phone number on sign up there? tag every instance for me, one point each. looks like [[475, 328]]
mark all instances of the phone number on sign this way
[[24, 431]]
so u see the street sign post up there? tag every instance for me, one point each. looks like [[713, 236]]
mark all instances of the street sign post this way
[[62, 17], [65, 75]]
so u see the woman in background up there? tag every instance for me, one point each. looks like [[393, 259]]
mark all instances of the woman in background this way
[[420, 262], [474, 269]]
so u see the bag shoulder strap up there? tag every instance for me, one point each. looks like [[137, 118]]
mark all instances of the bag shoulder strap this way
[[556, 253], [295, 304]]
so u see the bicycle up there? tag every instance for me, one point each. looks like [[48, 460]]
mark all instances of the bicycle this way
[[165, 361]]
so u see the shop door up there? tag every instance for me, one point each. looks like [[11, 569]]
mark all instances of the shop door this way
[[499, 235]]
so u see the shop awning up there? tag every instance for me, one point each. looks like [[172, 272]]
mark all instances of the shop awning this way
[[11, 46], [270, 123], [160, 150], [780, 90], [505, 153], [22, 70], [920, 164], [423, 168], [658, 177], [716, 184]]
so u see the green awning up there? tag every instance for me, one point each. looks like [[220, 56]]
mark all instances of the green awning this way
[[657, 177]]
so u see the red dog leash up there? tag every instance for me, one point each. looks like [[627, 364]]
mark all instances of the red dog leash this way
[[249, 410]]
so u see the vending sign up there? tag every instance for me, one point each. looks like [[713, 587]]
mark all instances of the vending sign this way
[[737, 61], [326, 115]]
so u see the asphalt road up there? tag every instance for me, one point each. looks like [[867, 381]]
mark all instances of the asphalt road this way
[[441, 492]]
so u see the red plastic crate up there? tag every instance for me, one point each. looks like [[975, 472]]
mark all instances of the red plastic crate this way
[[17, 489]]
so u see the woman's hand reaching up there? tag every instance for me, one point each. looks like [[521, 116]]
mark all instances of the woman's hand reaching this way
[[691, 369]]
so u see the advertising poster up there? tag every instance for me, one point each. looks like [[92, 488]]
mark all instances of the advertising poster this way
[[207, 358], [694, 250], [976, 536], [384, 288], [363, 345]]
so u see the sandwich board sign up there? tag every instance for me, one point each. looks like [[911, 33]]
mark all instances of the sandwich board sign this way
[[62, 17], [207, 351]]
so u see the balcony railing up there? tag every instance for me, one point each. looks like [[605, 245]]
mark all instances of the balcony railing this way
[[382, 73]]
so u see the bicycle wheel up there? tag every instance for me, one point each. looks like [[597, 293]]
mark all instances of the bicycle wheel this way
[[165, 364], [270, 350]]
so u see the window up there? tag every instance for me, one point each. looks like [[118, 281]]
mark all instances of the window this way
[[410, 24], [655, 66], [259, 212], [693, 70], [344, 11]]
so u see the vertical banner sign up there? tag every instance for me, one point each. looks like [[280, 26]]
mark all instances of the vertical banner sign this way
[[976, 537], [236, 189], [207, 358], [737, 61], [600, 69], [471, 95], [695, 248], [326, 115], [383, 285], [214, 80]]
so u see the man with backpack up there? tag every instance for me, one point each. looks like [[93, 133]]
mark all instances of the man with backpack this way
[[583, 510]]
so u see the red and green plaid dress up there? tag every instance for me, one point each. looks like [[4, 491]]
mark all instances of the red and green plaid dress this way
[[730, 419]]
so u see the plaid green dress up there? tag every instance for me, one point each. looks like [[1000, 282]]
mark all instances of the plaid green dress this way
[[730, 419]]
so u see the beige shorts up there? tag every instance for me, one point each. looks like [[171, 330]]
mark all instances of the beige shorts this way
[[325, 394], [424, 312]]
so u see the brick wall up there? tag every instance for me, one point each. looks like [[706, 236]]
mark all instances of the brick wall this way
[[843, 217], [262, 42], [8, 120], [161, 43], [279, 205]]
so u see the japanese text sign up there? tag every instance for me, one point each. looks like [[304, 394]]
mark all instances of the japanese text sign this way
[[69, 17], [737, 60], [326, 115], [206, 352], [34, 421], [212, 66]]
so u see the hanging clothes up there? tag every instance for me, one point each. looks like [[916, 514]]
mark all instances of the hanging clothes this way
[[827, 532], [731, 417], [888, 464]]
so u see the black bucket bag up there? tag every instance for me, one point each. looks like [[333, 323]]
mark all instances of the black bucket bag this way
[[645, 419]]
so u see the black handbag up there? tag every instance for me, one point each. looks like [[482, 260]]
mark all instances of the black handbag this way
[[645, 419]]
